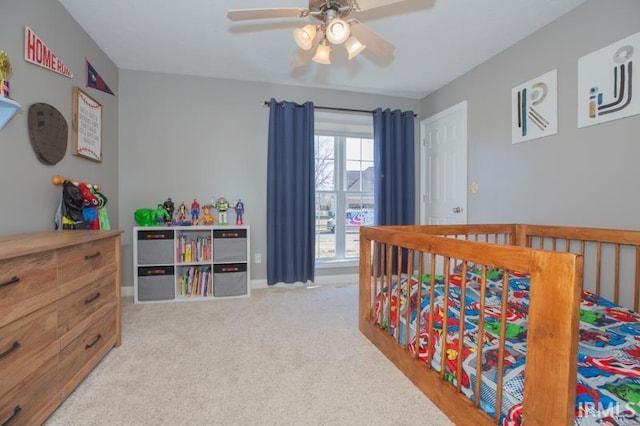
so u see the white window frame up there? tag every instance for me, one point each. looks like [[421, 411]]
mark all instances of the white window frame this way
[[341, 125]]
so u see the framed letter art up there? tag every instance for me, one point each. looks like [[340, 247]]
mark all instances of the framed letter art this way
[[87, 126], [607, 82], [534, 108]]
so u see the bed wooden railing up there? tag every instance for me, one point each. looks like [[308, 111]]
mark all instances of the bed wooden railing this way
[[554, 257], [612, 257]]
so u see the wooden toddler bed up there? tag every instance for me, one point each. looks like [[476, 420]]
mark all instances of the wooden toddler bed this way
[[495, 325]]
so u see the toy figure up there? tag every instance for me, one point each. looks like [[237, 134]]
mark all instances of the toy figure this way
[[239, 208], [162, 215], [145, 217], [222, 205], [170, 207], [90, 207], [195, 211], [207, 218], [181, 215]]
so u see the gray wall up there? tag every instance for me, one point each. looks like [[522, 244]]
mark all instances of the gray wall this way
[[193, 137], [585, 177], [190, 137], [28, 197]]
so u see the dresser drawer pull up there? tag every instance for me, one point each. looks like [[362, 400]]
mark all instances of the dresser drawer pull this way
[[16, 411], [13, 280], [87, 301], [92, 256], [93, 343], [15, 345]]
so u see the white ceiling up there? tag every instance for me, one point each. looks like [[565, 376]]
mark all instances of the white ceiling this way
[[436, 40]]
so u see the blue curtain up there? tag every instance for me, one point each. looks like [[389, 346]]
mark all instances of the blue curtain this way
[[393, 152], [290, 193]]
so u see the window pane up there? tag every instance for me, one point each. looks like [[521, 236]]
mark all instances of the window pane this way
[[367, 176], [359, 212], [359, 159], [325, 225], [325, 163], [352, 176], [353, 148], [367, 150]]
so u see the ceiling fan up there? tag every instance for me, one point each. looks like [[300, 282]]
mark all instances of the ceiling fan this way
[[333, 27]]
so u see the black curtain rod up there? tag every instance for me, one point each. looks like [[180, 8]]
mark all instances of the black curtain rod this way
[[361, 111]]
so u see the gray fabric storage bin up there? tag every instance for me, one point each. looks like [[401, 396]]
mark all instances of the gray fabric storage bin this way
[[156, 283], [230, 280], [230, 245], [155, 247]]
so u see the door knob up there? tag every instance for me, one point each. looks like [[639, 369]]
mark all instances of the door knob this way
[[457, 209]]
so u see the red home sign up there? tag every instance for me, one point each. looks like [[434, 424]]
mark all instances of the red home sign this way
[[37, 52]]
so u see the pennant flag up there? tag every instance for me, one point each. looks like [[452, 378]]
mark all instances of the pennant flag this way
[[94, 80], [37, 52]]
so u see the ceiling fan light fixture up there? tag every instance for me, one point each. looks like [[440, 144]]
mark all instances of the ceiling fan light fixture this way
[[338, 31], [354, 47], [323, 53], [304, 36]]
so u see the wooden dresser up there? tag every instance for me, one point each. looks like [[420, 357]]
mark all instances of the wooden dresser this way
[[59, 316]]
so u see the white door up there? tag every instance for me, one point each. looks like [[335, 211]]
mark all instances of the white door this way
[[443, 184]]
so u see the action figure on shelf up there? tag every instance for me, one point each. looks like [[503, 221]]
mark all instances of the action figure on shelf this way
[[170, 207], [162, 215], [181, 215], [145, 217], [195, 211], [207, 218], [222, 205], [239, 208]]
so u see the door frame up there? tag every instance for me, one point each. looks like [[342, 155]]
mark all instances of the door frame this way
[[423, 150]]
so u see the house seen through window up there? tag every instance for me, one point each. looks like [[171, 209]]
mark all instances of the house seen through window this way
[[344, 194]]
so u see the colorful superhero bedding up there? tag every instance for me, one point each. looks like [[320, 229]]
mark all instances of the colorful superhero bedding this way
[[608, 382]]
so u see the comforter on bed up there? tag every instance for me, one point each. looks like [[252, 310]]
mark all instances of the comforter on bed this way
[[608, 382]]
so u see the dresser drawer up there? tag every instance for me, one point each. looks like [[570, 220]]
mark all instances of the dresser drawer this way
[[81, 304], [24, 401], [26, 344], [85, 260], [22, 279], [76, 354]]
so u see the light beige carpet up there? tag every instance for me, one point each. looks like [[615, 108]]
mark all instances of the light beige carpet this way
[[284, 356]]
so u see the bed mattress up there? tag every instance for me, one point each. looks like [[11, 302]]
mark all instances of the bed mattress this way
[[608, 382]]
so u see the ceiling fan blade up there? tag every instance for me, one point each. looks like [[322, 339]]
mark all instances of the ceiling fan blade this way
[[372, 4], [375, 43], [246, 14]]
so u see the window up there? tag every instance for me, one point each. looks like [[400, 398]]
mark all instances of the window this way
[[344, 194]]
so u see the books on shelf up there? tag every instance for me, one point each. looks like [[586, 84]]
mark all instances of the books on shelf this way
[[196, 249], [195, 281]]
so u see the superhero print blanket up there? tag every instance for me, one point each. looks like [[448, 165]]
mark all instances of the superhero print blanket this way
[[608, 382]]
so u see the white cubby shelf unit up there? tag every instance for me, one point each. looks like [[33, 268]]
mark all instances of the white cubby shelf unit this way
[[187, 263]]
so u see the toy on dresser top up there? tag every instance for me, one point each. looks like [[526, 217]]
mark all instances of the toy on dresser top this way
[[82, 206], [167, 214]]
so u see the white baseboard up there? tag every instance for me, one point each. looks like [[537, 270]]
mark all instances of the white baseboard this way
[[320, 280], [257, 284]]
